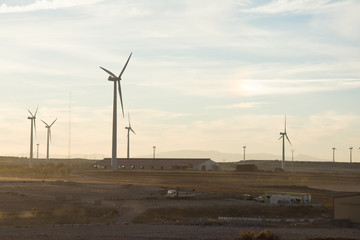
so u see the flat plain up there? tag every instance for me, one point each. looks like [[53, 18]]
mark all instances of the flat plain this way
[[71, 200]]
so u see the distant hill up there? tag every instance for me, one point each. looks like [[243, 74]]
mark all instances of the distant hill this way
[[227, 157]]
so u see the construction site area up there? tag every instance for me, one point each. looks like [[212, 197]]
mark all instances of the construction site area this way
[[77, 201]]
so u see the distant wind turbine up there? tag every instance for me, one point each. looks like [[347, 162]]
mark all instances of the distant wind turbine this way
[[33, 127], [283, 135], [116, 81], [333, 154], [48, 136], [129, 128], [351, 148]]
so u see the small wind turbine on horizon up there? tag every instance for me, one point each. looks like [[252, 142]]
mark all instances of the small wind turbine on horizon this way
[[116, 81], [283, 135], [129, 128], [33, 126], [48, 136]]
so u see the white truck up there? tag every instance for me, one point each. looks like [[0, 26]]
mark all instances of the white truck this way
[[174, 193]]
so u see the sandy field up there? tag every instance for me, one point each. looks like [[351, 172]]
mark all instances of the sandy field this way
[[87, 203]]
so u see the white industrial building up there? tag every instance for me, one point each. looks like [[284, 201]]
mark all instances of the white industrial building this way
[[200, 164], [287, 198]]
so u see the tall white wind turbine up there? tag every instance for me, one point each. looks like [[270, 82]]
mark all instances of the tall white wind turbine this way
[[283, 135], [116, 81], [48, 136], [33, 127], [129, 128]]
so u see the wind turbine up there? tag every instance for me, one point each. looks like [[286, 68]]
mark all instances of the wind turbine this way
[[244, 147], [129, 128], [351, 148], [48, 136], [116, 81], [283, 135], [333, 154], [33, 126]]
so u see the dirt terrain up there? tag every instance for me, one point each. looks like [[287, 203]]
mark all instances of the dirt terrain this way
[[87, 203]]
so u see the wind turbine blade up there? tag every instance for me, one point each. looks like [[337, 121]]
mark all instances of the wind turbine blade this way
[[129, 119], [35, 125], [45, 123], [285, 124], [288, 139], [53, 122], [132, 130], [125, 66], [30, 113], [110, 73], [36, 111], [121, 102], [49, 129], [280, 137]]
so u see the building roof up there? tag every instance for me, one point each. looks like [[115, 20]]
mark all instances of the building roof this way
[[165, 162]]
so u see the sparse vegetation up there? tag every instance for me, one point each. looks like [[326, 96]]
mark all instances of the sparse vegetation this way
[[246, 168], [263, 235], [41, 170]]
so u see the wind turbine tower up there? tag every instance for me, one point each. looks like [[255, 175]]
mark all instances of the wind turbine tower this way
[[129, 128], [244, 147], [48, 136], [333, 154], [33, 127], [351, 148], [283, 136], [116, 81]]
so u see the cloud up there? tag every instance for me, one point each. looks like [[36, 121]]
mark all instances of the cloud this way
[[237, 105], [342, 21], [292, 6], [45, 5]]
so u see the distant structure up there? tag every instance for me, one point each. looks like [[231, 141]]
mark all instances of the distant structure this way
[[37, 150], [154, 147], [33, 127], [283, 135], [347, 208], [129, 128], [48, 136], [287, 198], [351, 148], [244, 147], [333, 154], [69, 140], [199, 164], [116, 81], [292, 159]]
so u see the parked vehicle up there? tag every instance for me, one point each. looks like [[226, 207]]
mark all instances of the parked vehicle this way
[[174, 193], [259, 199], [247, 197]]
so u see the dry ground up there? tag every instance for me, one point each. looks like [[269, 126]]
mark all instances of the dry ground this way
[[100, 204]]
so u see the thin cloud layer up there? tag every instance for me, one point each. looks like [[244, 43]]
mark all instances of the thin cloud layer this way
[[291, 6], [40, 5]]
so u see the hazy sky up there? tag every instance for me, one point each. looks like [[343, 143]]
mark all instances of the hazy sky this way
[[206, 75]]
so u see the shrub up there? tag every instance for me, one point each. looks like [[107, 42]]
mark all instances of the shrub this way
[[246, 168], [264, 235]]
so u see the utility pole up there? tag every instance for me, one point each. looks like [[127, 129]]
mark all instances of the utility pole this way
[[292, 159]]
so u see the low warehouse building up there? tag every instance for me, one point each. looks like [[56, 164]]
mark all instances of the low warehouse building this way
[[200, 164], [347, 207], [286, 198]]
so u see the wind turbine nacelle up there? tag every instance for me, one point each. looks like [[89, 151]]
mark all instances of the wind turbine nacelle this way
[[111, 78]]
